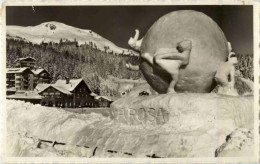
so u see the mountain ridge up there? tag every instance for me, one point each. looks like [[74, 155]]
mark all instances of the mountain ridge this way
[[55, 31]]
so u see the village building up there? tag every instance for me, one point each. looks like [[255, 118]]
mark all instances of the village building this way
[[19, 79], [27, 96], [103, 101], [69, 93], [25, 62], [41, 76]]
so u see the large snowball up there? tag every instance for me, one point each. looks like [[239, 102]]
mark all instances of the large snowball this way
[[209, 49]]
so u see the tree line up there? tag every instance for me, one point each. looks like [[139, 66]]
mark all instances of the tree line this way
[[68, 59]]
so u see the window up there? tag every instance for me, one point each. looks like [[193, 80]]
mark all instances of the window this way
[[51, 94], [57, 94]]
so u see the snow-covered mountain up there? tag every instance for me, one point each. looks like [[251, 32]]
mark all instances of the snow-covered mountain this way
[[55, 31]]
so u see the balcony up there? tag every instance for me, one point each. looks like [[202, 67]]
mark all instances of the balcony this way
[[10, 79]]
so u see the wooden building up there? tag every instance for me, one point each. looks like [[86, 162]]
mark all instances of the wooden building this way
[[103, 102], [25, 62], [41, 76], [19, 79], [67, 93]]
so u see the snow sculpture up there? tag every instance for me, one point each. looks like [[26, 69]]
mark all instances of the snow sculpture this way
[[225, 76], [134, 42], [181, 33]]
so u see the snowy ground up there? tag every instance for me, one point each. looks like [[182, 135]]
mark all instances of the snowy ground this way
[[183, 125], [29, 124], [103, 111]]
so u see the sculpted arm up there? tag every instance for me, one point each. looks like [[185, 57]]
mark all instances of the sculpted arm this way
[[134, 43]]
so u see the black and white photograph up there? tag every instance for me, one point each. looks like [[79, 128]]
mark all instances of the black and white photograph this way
[[131, 81]]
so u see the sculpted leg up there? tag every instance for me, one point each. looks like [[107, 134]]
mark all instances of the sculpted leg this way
[[175, 78], [165, 59]]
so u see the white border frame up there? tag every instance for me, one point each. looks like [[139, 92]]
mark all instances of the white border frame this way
[[130, 160]]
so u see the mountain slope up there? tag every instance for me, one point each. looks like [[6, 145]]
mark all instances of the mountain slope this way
[[55, 31]]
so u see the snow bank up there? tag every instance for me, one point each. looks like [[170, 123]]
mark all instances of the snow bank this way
[[185, 110], [177, 125], [199, 123], [47, 123], [27, 146], [239, 142]]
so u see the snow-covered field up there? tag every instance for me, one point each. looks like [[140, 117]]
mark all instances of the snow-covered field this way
[[55, 31]]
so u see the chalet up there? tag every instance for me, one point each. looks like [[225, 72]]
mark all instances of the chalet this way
[[69, 93], [103, 101], [25, 62], [19, 79], [41, 76]]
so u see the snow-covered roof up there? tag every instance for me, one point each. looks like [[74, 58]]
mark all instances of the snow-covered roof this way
[[41, 87], [104, 97], [25, 95], [16, 70], [73, 83], [63, 89], [61, 86], [93, 94], [38, 71]]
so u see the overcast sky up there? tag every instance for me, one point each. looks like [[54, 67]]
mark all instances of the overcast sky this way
[[117, 23]]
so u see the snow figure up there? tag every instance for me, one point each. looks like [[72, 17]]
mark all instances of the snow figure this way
[[134, 42], [181, 52], [170, 60], [225, 76]]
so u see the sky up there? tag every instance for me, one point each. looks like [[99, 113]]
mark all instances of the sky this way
[[117, 23]]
